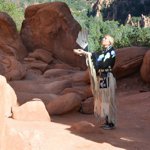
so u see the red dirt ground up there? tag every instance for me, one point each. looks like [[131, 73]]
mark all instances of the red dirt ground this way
[[132, 132]]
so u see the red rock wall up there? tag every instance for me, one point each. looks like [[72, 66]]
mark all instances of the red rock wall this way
[[51, 26]]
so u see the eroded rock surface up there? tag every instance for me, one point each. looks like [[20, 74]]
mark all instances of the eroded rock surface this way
[[51, 26]]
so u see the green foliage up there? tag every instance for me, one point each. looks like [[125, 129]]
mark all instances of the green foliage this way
[[15, 12], [98, 28], [136, 19], [140, 36], [121, 36], [94, 34], [124, 35]]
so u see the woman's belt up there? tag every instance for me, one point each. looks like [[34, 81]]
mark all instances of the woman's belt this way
[[105, 70]]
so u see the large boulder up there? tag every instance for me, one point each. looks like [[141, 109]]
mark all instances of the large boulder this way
[[128, 60], [12, 49], [10, 41], [64, 104], [51, 26], [11, 68], [31, 111], [7, 97], [87, 106], [8, 100], [145, 68]]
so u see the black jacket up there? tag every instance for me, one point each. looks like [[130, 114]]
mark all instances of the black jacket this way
[[104, 59]]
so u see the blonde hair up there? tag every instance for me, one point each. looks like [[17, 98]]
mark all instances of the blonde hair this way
[[110, 38]]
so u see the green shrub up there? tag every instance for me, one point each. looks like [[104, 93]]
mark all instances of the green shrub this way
[[140, 36], [15, 12], [124, 35]]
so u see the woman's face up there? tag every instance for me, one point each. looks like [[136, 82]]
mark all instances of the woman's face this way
[[105, 42]]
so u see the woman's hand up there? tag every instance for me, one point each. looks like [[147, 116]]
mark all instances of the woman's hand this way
[[81, 52]]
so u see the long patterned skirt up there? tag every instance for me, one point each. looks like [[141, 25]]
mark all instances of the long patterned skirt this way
[[108, 104], [104, 98]]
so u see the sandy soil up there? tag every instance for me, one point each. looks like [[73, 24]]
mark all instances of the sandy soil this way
[[132, 132]]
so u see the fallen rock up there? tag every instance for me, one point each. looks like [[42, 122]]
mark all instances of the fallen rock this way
[[83, 127], [64, 103], [87, 106], [41, 54], [31, 111]]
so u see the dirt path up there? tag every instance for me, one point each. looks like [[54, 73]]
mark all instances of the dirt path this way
[[132, 132]]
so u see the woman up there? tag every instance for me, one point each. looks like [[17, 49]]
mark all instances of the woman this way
[[104, 93]]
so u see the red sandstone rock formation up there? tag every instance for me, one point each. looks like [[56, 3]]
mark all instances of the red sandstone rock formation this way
[[11, 49], [10, 42], [61, 87], [7, 96], [50, 26], [145, 69], [11, 68], [31, 111], [128, 60]]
